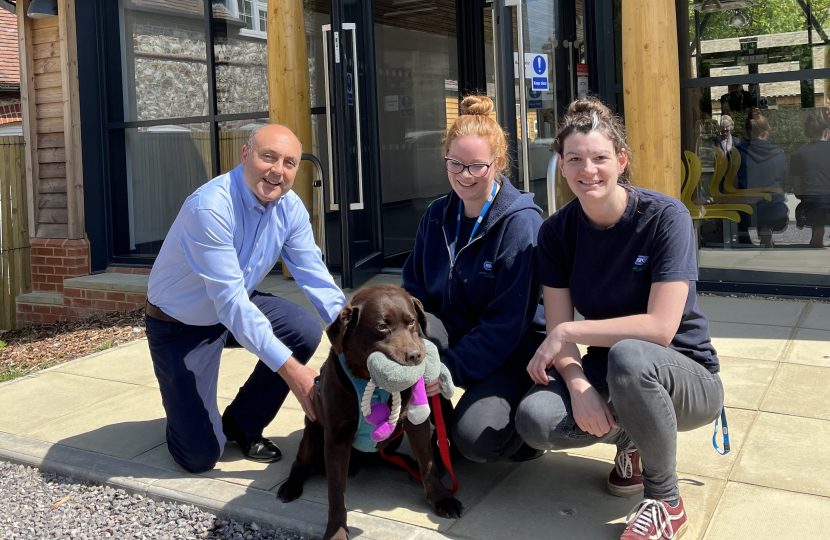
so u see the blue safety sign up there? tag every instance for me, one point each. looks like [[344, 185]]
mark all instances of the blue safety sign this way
[[540, 83], [349, 89], [535, 99], [539, 65]]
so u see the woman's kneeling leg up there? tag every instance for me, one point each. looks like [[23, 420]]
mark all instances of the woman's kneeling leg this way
[[656, 392]]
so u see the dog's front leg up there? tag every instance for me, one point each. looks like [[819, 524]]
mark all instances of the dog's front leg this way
[[338, 443], [440, 499]]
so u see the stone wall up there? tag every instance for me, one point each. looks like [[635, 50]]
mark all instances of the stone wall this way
[[171, 72]]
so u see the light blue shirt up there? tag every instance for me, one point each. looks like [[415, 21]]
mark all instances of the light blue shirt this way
[[221, 246]]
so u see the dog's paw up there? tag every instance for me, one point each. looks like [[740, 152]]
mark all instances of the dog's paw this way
[[449, 508], [290, 490]]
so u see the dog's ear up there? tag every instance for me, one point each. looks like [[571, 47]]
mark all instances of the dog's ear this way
[[337, 330], [422, 316]]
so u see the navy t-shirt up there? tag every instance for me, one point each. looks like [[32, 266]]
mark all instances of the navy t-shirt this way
[[610, 271]]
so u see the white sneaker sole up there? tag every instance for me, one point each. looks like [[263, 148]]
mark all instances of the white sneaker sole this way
[[624, 491]]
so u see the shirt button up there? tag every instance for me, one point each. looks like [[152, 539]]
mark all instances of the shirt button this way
[[249, 269], [257, 244]]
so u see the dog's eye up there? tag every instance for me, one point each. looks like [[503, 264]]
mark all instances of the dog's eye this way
[[382, 327], [412, 323]]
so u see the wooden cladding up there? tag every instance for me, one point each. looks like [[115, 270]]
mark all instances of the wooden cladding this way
[[49, 90]]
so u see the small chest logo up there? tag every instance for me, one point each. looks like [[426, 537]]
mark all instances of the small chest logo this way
[[641, 263], [488, 266]]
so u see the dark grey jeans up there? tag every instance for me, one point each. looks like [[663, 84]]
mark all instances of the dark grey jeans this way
[[483, 426], [653, 392]]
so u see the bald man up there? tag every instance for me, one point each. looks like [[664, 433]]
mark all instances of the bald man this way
[[202, 298]]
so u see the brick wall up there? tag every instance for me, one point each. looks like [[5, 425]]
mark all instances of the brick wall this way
[[85, 302], [10, 113], [55, 259]]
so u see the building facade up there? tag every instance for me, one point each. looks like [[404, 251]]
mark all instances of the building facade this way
[[167, 91]]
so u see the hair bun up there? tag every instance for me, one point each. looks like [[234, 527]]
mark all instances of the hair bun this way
[[477, 105], [588, 106]]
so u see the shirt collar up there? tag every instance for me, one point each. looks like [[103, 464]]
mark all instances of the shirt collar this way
[[248, 197]]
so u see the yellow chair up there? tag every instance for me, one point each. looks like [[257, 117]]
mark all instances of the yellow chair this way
[[732, 193], [710, 211]]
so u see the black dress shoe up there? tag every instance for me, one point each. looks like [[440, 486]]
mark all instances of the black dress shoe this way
[[262, 450]]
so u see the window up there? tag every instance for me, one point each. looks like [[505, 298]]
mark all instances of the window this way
[[254, 13]]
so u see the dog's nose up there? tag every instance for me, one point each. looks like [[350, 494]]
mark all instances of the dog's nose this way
[[413, 355]]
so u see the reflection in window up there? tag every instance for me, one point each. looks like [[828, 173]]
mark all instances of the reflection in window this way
[[164, 59], [240, 56], [165, 164]]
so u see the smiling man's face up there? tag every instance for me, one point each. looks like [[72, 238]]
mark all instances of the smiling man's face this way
[[270, 165]]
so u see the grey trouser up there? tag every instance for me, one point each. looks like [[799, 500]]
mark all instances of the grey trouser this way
[[653, 392], [482, 426]]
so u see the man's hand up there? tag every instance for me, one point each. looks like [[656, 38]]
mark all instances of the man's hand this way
[[300, 380]]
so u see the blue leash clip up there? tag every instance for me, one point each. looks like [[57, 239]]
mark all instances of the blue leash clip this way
[[725, 434]]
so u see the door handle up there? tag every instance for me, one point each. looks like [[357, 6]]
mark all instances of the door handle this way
[[359, 204], [318, 183], [551, 181], [523, 97], [333, 206]]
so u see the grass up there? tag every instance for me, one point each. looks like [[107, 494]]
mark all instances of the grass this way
[[104, 346], [14, 373], [2, 345]]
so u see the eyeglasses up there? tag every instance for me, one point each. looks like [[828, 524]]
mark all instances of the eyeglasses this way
[[476, 169]]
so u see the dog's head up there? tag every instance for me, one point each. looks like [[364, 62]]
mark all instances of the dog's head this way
[[382, 319]]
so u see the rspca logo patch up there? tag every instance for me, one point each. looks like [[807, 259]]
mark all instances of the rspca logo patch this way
[[488, 265], [641, 263]]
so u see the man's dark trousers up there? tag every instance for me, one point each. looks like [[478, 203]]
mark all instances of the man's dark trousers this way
[[186, 363]]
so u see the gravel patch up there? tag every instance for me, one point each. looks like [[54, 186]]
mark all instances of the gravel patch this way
[[37, 504]]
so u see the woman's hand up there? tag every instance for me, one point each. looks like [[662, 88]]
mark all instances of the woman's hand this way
[[590, 411], [544, 357], [433, 388]]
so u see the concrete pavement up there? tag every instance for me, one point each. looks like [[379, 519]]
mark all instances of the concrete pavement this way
[[101, 418]]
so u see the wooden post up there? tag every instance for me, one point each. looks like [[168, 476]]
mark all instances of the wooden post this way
[[289, 93], [71, 119], [28, 110], [651, 82]]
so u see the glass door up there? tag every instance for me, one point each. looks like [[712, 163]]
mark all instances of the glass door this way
[[548, 37], [351, 130]]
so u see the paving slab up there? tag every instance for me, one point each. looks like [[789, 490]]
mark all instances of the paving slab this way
[[753, 341], [800, 391], [817, 317], [123, 426], [750, 311], [810, 347], [564, 497], [750, 512], [745, 381], [786, 452], [378, 491], [110, 281], [29, 403], [130, 363]]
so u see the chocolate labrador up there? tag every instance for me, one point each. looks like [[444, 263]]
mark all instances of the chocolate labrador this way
[[386, 319]]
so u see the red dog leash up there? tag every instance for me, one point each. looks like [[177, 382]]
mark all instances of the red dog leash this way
[[443, 445]]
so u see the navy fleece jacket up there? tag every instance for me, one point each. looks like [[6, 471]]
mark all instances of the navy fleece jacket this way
[[488, 299]]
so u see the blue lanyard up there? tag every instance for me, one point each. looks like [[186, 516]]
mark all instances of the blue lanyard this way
[[725, 434], [478, 221]]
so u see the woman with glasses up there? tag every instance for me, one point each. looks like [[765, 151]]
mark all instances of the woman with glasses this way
[[472, 270]]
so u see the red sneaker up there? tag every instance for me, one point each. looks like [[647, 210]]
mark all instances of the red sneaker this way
[[627, 477], [655, 520]]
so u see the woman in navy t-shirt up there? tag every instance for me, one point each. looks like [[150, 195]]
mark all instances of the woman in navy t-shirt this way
[[624, 257]]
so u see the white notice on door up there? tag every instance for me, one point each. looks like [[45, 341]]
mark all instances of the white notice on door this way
[[390, 103]]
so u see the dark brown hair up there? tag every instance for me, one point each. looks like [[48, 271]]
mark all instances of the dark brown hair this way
[[587, 115], [475, 121]]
